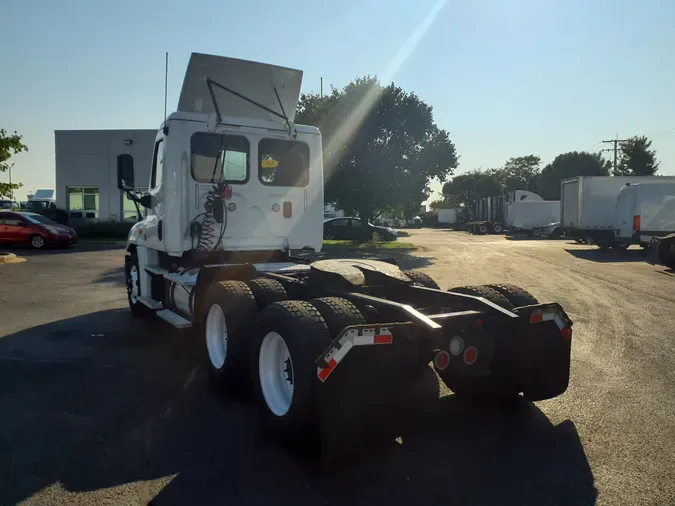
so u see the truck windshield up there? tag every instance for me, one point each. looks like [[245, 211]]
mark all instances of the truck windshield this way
[[218, 157]]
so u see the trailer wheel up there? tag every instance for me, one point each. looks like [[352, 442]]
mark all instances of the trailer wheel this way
[[338, 313], [230, 313], [132, 275], [497, 228], [422, 279], [536, 232], [517, 296], [487, 292], [287, 339], [267, 291], [482, 229]]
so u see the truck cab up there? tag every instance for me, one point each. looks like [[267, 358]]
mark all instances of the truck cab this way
[[231, 172]]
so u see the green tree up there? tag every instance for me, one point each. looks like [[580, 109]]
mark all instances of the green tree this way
[[10, 145], [636, 158], [381, 146], [518, 173], [466, 188], [566, 165]]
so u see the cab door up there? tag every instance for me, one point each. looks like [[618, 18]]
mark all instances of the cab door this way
[[153, 229]]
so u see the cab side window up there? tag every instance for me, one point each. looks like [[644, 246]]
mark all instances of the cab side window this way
[[157, 164]]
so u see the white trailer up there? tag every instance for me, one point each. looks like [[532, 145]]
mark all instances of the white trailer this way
[[644, 211], [447, 217], [531, 215], [588, 206], [317, 342]]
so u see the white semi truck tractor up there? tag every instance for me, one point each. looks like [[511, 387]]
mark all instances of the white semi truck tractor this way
[[327, 347]]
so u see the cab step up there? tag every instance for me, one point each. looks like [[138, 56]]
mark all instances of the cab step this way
[[181, 279], [150, 302], [174, 319]]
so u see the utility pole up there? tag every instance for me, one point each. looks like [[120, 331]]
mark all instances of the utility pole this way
[[615, 149], [322, 87]]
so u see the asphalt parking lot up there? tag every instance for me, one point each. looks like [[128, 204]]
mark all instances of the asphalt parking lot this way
[[101, 408]]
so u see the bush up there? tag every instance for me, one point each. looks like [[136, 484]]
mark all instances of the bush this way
[[102, 230]]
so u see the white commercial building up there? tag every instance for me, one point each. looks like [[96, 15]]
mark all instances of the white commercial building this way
[[86, 172]]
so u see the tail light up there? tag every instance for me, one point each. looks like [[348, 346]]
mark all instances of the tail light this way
[[636, 223], [287, 209]]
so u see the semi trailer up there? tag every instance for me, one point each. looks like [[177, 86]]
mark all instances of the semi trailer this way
[[327, 347]]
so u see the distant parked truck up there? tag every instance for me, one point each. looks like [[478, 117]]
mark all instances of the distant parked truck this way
[[588, 206], [447, 217], [644, 211], [528, 212]]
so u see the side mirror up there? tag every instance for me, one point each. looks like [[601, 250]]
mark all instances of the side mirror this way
[[125, 172]]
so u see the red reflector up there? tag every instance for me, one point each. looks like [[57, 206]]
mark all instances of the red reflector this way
[[324, 373], [470, 355], [567, 333], [382, 339], [535, 318], [288, 209], [479, 322], [441, 360], [636, 223]]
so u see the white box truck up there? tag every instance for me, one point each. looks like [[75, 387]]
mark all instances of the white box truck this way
[[588, 206], [531, 215], [447, 217], [644, 211]]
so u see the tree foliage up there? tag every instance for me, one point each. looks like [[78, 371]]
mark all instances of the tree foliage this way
[[10, 145], [566, 165], [518, 173], [466, 188], [381, 147], [636, 158]]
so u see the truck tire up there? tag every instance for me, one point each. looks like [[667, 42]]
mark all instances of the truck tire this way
[[517, 296], [288, 338], [483, 229], [338, 313], [536, 232], [497, 228], [132, 276], [229, 316], [267, 291], [422, 279], [487, 292]]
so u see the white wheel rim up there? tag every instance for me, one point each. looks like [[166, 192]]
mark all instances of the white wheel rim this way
[[276, 373], [216, 336], [38, 241], [498, 228], [483, 228], [133, 276]]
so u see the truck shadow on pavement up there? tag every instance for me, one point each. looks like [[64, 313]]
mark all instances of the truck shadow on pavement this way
[[104, 400], [597, 255], [81, 247]]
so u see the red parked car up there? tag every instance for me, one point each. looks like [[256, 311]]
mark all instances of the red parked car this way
[[34, 229]]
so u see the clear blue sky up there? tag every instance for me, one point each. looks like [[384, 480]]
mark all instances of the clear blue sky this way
[[505, 77]]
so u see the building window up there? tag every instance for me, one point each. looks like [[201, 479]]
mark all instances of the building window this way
[[218, 157], [84, 202], [128, 207], [283, 163]]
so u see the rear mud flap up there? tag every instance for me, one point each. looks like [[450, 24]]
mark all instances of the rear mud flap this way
[[366, 400], [545, 352]]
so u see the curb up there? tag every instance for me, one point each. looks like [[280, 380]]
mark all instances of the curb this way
[[10, 258]]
